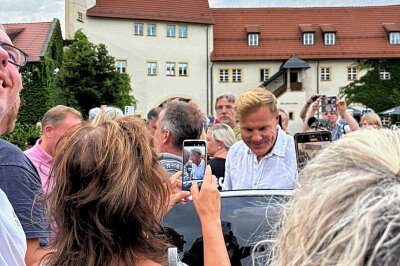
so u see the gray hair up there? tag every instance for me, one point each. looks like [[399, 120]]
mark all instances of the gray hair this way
[[56, 115], [223, 132], [347, 210], [197, 152], [231, 98], [183, 120]]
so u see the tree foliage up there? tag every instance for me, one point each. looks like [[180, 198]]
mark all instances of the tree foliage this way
[[39, 91], [88, 77], [371, 90]]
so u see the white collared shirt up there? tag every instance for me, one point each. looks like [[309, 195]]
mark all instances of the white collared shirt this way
[[276, 170]]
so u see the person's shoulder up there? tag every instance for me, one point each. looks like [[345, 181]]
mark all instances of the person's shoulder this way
[[237, 146], [169, 156], [10, 152]]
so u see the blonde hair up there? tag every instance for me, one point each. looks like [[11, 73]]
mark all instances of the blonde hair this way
[[347, 209], [252, 99], [372, 119], [223, 132], [109, 196]]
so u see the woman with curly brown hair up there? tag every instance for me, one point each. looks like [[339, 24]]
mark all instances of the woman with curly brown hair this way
[[109, 196]]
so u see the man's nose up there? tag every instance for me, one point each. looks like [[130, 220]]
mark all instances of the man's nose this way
[[256, 137]]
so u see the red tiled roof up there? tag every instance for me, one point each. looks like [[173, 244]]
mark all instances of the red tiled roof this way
[[306, 28], [32, 38], [359, 33], [192, 11], [327, 28], [390, 27], [252, 29]]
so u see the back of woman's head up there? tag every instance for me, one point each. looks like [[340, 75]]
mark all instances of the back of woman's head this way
[[372, 119], [109, 195], [347, 209], [223, 132]]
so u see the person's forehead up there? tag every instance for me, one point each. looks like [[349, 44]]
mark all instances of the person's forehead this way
[[224, 100]]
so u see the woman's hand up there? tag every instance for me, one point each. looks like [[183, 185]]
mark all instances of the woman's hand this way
[[178, 195], [207, 201]]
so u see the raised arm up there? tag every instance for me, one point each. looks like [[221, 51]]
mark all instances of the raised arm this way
[[207, 203], [348, 117]]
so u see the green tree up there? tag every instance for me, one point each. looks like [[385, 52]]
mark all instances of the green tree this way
[[88, 77], [39, 93], [371, 90]]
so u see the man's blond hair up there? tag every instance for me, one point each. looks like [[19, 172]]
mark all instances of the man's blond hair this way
[[252, 99]]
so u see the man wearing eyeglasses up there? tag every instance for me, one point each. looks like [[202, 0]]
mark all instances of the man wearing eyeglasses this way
[[18, 177]]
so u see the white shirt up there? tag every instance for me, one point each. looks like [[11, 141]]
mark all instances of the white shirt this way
[[276, 170], [198, 170], [12, 236]]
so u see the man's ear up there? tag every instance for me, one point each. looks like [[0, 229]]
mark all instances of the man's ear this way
[[167, 136], [48, 129]]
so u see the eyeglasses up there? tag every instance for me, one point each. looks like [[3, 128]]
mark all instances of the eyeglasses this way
[[15, 55]]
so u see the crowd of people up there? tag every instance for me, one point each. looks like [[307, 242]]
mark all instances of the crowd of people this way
[[95, 192]]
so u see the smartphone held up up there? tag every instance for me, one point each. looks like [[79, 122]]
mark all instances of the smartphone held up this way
[[308, 144], [194, 160]]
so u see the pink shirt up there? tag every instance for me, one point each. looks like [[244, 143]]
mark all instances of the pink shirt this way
[[42, 162]]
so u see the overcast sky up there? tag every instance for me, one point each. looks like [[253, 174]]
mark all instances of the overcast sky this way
[[13, 11]]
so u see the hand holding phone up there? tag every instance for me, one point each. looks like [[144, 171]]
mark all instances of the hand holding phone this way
[[194, 162], [329, 104]]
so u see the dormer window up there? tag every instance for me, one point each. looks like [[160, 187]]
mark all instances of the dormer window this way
[[307, 34], [393, 32], [253, 39], [329, 34], [330, 38], [394, 37], [308, 38], [253, 35]]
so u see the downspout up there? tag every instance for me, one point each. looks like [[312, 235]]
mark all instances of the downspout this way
[[318, 83], [207, 80], [212, 87]]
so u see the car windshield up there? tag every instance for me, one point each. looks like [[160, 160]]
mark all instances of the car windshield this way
[[246, 220]]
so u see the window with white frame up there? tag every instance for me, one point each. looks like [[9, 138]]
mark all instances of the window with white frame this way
[[170, 69], [183, 69], [308, 38], [139, 29], [384, 75], [253, 39], [170, 30], [121, 66], [351, 73], [151, 68], [236, 75], [80, 17], [264, 74], [182, 31], [151, 29], [394, 37], [330, 38], [223, 75], [325, 73]]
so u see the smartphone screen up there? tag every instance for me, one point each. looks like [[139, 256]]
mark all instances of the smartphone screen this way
[[328, 104], [308, 145], [194, 162]]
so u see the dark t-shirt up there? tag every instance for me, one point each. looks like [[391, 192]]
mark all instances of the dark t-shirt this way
[[218, 169], [21, 183]]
